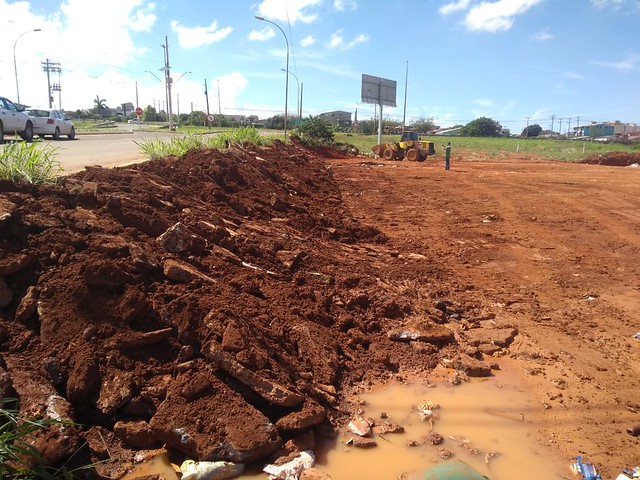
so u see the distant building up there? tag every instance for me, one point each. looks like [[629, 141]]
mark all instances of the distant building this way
[[337, 117], [607, 129]]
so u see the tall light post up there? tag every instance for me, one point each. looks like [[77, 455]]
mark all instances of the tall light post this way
[[286, 87], [299, 94], [15, 64], [178, 96]]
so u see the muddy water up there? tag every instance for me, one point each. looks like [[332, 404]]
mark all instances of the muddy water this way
[[477, 419]]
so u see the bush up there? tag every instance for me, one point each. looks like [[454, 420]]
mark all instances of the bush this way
[[316, 130]]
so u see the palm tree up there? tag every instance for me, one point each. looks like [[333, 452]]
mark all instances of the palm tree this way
[[100, 104]]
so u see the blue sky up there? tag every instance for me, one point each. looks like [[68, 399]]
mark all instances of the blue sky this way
[[504, 59]]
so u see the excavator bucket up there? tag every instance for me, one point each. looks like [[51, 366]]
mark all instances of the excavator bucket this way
[[379, 149]]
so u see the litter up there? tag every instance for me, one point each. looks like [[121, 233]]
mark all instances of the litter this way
[[586, 470], [629, 474], [291, 470], [192, 470], [637, 336]]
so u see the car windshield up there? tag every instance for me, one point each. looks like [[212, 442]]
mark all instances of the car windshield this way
[[38, 113]]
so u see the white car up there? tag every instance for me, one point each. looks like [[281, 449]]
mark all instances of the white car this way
[[51, 122], [13, 121]]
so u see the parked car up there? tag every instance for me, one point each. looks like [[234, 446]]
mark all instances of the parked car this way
[[14, 121], [51, 122]]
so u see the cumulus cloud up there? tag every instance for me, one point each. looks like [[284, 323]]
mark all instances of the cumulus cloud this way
[[191, 37], [337, 40], [454, 7], [262, 35], [307, 41], [291, 11], [496, 16]]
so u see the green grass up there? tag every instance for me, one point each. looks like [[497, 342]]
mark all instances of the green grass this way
[[179, 146], [19, 460], [565, 150], [23, 162]]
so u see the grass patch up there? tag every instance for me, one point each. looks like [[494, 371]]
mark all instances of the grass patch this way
[[179, 146], [19, 460], [23, 162], [565, 150]]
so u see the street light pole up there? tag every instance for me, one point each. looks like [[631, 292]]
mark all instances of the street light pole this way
[[286, 87], [15, 64], [297, 80]]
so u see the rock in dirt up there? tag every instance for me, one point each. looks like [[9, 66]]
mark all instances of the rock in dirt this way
[[184, 273], [311, 414], [472, 366], [361, 442], [500, 337], [422, 332], [360, 426], [270, 391], [178, 238]]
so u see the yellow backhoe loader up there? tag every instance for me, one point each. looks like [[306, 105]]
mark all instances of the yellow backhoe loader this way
[[410, 147]]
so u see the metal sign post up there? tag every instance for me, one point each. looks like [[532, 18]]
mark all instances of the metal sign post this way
[[379, 91]]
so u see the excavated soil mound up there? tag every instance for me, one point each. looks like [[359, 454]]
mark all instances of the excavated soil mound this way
[[613, 159], [217, 305]]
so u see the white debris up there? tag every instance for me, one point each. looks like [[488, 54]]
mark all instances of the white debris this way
[[210, 470], [291, 470]]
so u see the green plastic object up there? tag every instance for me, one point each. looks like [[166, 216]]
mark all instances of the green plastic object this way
[[453, 470]]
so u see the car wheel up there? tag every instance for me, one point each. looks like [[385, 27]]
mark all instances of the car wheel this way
[[56, 134], [27, 135], [72, 134]]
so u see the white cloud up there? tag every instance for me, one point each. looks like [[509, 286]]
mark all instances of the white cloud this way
[[626, 65], [497, 16], [454, 7], [543, 36], [290, 11], [191, 37], [343, 5], [307, 41], [262, 35], [357, 40], [231, 86], [336, 40]]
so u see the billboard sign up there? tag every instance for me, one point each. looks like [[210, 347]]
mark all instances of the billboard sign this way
[[378, 90]]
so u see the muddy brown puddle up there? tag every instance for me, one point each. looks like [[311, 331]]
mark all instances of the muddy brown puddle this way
[[486, 423]]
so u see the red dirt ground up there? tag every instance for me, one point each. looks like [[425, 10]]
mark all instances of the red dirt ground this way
[[227, 302]]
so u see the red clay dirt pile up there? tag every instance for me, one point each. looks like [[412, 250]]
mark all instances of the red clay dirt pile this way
[[218, 305]]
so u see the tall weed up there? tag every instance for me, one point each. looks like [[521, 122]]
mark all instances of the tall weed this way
[[23, 162]]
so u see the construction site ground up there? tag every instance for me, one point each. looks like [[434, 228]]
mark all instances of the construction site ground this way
[[227, 305]]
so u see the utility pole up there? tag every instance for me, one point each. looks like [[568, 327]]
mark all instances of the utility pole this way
[[137, 105], [168, 80], [527, 126], [49, 66], [404, 110], [301, 89], [219, 109], [569, 127], [553, 117], [560, 129], [206, 94], [578, 126]]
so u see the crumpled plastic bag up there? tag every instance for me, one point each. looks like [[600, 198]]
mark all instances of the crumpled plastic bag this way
[[291, 470], [210, 470]]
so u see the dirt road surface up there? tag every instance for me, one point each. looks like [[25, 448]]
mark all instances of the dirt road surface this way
[[225, 305]]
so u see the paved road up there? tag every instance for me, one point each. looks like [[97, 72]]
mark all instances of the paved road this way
[[107, 150]]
